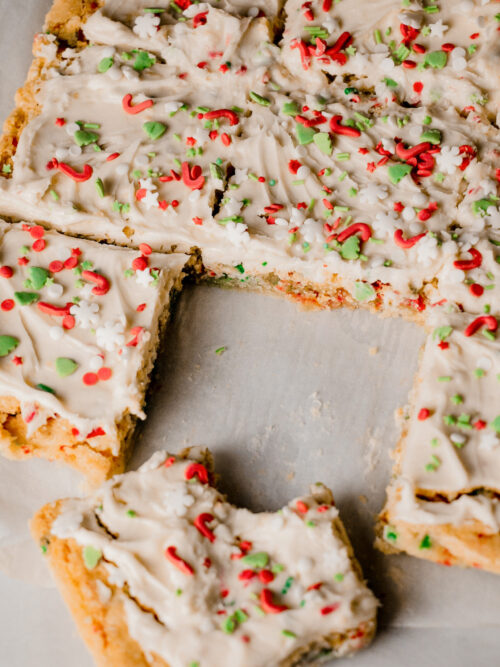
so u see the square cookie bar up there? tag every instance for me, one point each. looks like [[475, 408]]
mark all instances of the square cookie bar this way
[[159, 569], [79, 331], [443, 501]]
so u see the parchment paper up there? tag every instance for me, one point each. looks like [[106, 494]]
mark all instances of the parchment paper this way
[[296, 397]]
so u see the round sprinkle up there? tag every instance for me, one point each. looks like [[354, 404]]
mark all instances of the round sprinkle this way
[[6, 272], [90, 379]]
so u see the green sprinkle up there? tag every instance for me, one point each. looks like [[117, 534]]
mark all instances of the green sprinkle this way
[[84, 138], [305, 135], [390, 83], [377, 37], [425, 543], [495, 424], [390, 534], [228, 626], [259, 559], [25, 298], [338, 577], [38, 277], [54, 195], [363, 291], [99, 186], [442, 332], [220, 350], [289, 633], [277, 567], [444, 378], [104, 65], [91, 557], [44, 387], [436, 59], [143, 60], [342, 156], [240, 616], [323, 142], [457, 399], [216, 172], [398, 171], [7, 344], [263, 101], [290, 109], [479, 372], [433, 136], [287, 586], [240, 268], [6, 169], [65, 366], [350, 249], [154, 129]]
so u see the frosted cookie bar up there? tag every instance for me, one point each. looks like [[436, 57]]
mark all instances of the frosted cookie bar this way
[[79, 332], [443, 501], [338, 206], [158, 568], [416, 53]]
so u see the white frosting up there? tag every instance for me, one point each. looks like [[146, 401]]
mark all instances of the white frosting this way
[[216, 615], [108, 335]]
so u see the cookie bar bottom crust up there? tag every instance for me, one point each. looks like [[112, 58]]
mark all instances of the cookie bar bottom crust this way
[[466, 545]]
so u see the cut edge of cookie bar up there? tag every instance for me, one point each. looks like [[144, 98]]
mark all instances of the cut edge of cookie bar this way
[[468, 542], [102, 624], [58, 440]]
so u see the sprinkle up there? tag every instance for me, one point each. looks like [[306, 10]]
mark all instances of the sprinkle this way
[[91, 556], [220, 350]]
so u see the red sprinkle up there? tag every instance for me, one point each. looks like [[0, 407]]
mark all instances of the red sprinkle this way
[[424, 414], [7, 304], [267, 604], [487, 321], [200, 523], [102, 283], [6, 272], [96, 432], [56, 266], [112, 157], [301, 507], [180, 564], [467, 265], [330, 609], [136, 108], [145, 248], [90, 379], [104, 373], [476, 290], [37, 232], [406, 243], [79, 177], [266, 576], [39, 245], [197, 470], [140, 263]]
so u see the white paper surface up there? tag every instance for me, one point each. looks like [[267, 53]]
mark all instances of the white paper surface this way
[[297, 397]]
